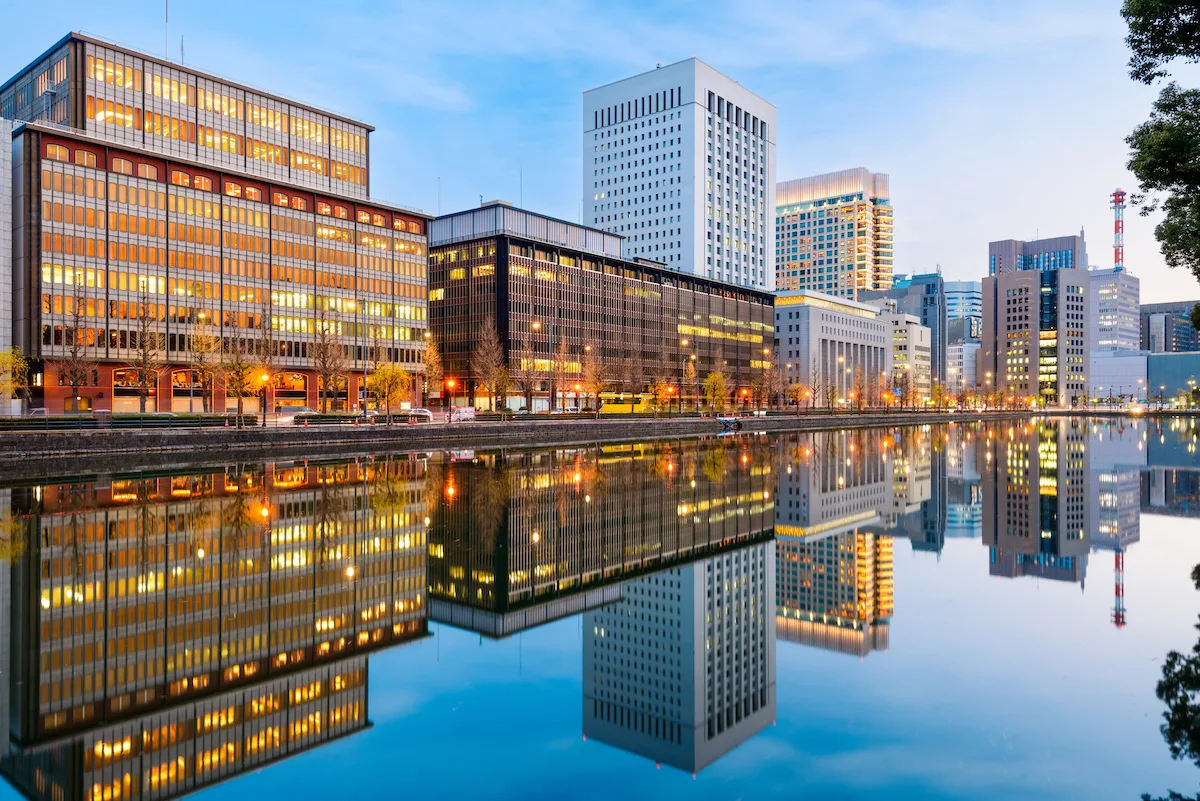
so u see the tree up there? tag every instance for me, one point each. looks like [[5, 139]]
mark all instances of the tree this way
[[1165, 150], [238, 357], [559, 367], [75, 367], [691, 381], [523, 370], [389, 383], [434, 370], [204, 358], [149, 348], [831, 394], [660, 392], [14, 374], [797, 393], [940, 396], [859, 388], [716, 391], [328, 357], [487, 357], [816, 386], [766, 384], [267, 350], [594, 378], [501, 384]]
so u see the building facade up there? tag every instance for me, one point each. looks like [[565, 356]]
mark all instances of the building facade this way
[[1167, 327], [1035, 344], [679, 162], [559, 292], [1114, 298], [912, 354], [833, 233], [682, 669], [832, 345], [924, 297], [158, 209], [964, 299], [961, 366], [1116, 376]]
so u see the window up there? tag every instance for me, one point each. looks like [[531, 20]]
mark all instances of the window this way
[[414, 227], [232, 189], [147, 171], [377, 219], [279, 199], [253, 194], [85, 158], [57, 153], [123, 166], [180, 178], [340, 212], [299, 204], [324, 209], [364, 216], [201, 182]]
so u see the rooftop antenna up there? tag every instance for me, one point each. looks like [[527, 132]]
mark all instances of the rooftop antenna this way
[[167, 29], [181, 48], [1118, 207], [481, 200]]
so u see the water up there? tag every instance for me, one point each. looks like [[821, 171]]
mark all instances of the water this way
[[944, 612]]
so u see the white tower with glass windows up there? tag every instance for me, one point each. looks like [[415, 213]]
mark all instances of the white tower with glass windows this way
[[680, 161]]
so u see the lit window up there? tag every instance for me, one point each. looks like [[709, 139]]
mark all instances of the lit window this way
[[340, 212], [324, 209], [253, 194], [123, 166], [57, 153], [232, 189], [299, 204], [85, 158], [414, 227], [202, 182], [398, 223], [364, 216], [279, 199], [147, 171], [377, 219], [180, 178]]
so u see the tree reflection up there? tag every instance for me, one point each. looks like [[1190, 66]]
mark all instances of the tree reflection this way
[[1178, 689]]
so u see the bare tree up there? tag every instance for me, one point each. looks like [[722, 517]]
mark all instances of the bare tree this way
[[797, 393], [859, 388], [328, 357], [559, 368], [691, 381], [238, 358], [594, 378], [816, 385], [487, 357], [267, 349], [523, 370], [766, 384], [75, 367], [434, 370], [204, 357], [148, 351]]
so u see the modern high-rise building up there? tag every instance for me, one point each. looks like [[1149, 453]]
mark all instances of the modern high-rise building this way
[[912, 353], [833, 233], [831, 345], [1113, 310], [680, 162], [1167, 327], [1035, 328], [964, 299], [158, 208], [6, 229], [681, 670], [924, 297]]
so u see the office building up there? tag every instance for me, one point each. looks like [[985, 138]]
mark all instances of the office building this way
[[923, 297], [560, 293], [964, 502], [964, 329], [519, 540], [961, 360], [1113, 310], [158, 209], [1036, 513], [1169, 375], [682, 669], [1116, 376], [6, 229], [1167, 327], [679, 162], [833, 233], [964, 300], [912, 354], [1035, 328], [832, 345]]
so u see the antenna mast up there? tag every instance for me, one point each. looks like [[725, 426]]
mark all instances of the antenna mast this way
[[1118, 207]]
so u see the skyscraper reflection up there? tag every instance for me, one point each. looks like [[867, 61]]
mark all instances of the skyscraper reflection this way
[[681, 670]]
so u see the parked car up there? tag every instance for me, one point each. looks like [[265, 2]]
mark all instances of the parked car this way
[[288, 414], [420, 416], [462, 413]]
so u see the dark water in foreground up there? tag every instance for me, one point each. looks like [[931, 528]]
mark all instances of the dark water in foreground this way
[[936, 612]]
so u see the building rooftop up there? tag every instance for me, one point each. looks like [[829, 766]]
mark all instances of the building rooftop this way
[[658, 67], [85, 37], [805, 297], [833, 185]]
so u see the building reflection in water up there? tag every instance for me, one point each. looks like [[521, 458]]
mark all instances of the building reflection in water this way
[[681, 670], [518, 539], [171, 632]]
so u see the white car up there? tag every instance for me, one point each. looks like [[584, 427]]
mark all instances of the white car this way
[[462, 413], [420, 416]]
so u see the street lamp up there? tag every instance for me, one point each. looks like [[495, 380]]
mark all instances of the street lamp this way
[[450, 410]]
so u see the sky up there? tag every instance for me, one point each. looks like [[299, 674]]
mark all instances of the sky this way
[[994, 120]]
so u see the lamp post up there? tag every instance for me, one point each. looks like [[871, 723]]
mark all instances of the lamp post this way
[[450, 407]]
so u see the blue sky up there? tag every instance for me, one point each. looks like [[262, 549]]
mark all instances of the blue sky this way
[[995, 120]]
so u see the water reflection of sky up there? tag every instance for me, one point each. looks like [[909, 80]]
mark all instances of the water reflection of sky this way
[[988, 687]]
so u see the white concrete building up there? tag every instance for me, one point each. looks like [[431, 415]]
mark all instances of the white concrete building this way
[[833, 233], [824, 341], [1117, 374], [682, 669], [960, 366], [680, 161], [912, 349], [1114, 310]]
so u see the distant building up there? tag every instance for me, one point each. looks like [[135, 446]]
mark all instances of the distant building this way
[[961, 360], [1167, 327], [924, 297], [1170, 374], [681, 670], [964, 329], [964, 299], [828, 344], [1035, 330], [1119, 375], [833, 233], [679, 162], [912, 351], [1113, 322]]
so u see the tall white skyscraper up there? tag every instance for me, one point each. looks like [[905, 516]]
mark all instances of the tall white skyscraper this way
[[680, 161], [1114, 310]]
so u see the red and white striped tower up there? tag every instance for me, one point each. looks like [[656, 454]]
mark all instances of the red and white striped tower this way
[[1118, 207]]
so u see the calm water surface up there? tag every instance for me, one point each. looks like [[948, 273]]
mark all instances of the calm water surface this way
[[938, 612]]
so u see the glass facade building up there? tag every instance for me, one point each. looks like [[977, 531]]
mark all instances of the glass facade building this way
[[152, 200]]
